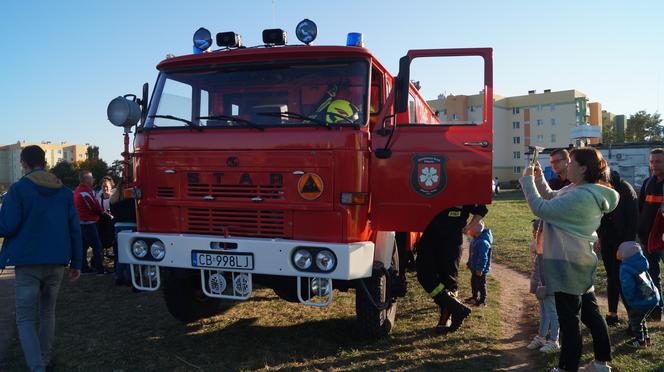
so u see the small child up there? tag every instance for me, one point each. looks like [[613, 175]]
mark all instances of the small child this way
[[479, 262], [547, 302], [639, 290]]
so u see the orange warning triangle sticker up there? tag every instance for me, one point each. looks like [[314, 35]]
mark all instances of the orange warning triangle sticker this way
[[310, 186]]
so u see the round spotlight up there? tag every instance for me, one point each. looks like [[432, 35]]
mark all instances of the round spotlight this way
[[306, 31], [158, 250], [302, 259], [320, 287], [122, 112], [139, 248], [202, 40], [325, 260]]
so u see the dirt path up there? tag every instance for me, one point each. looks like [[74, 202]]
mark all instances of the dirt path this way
[[517, 305]]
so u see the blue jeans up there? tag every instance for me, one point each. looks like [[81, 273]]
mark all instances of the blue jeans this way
[[90, 238], [37, 287], [122, 272], [548, 318], [653, 261]]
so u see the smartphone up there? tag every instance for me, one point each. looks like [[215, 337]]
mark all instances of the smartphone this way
[[536, 152]]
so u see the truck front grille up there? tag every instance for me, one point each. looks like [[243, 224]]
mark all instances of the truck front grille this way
[[198, 190], [247, 223]]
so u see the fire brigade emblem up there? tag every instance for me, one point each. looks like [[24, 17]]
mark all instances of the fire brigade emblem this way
[[428, 176]]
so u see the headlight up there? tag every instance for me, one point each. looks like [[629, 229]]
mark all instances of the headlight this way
[[302, 259], [325, 260], [320, 287], [157, 250], [139, 248]]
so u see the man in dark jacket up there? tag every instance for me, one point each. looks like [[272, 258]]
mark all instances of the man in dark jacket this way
[[650, 201], [559, 159], [40, 225], [617, 227]]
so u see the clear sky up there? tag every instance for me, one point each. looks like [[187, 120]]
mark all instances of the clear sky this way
[[61, 62]]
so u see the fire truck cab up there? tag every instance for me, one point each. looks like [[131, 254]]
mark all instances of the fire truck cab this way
[[296, 167]]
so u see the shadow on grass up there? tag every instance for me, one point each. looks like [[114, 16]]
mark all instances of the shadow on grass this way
[[105, 328]]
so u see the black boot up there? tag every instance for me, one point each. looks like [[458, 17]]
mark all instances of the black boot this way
[[457, 310], [442, 327]]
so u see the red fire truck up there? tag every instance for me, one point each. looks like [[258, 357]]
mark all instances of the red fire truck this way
[[295, 167]]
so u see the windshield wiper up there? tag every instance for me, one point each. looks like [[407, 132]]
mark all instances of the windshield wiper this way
[[294, 115], [189, 123], [233, 119]]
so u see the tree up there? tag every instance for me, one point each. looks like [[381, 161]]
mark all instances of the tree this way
[[608, 129], [98, 167], [642, 126], [116, 169], [92, 152], [66, 172]]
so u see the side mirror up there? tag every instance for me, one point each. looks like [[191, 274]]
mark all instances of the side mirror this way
[[144, 103], [402, 85], [123, 112]]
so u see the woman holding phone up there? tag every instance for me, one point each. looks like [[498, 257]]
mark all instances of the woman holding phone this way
[[571, 216]]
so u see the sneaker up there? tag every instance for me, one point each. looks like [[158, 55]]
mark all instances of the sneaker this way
[[550, 347], [636, 343], [480, 303], [595, 367], [536, 343], [612, 320]]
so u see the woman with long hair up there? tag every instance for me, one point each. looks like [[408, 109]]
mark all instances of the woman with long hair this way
[[571, 216]]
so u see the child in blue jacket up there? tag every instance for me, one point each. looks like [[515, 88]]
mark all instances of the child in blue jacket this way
[[639, 290], [479, 262]]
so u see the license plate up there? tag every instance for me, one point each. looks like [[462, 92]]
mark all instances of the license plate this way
[[236, 261]]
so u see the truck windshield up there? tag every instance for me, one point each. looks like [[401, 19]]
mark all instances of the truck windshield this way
[[333, 93]]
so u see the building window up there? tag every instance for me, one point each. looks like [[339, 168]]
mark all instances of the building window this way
[[516, 125], [553, 138], [515, 110], [516, 140], [59, 152], [553, 122], [539, 108], [540, 122], [516, 155], [552, 107], [540, 137], [516, 170], [455, 117]]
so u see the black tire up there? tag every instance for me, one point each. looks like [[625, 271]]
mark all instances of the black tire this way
[[185, 299], [375, 323]]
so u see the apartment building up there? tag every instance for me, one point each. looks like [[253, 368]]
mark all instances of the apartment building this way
[[548, 119], [10, 155]]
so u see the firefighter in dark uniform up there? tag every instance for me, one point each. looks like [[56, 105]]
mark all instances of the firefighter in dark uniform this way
[[438, 256]]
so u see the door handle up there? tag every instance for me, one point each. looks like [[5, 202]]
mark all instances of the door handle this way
[[477, 143]]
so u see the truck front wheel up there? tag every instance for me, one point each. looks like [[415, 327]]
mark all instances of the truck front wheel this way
[[374, 320], [185, 299]]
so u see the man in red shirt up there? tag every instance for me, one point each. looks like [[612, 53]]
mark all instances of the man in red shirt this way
[[89, 210]]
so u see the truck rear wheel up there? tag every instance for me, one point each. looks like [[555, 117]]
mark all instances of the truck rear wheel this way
[[185, 299], [373, 321]]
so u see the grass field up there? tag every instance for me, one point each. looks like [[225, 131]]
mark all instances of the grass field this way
[[105, 328], [509, 219]]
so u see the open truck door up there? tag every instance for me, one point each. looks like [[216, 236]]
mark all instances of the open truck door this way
[[419, 169]]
